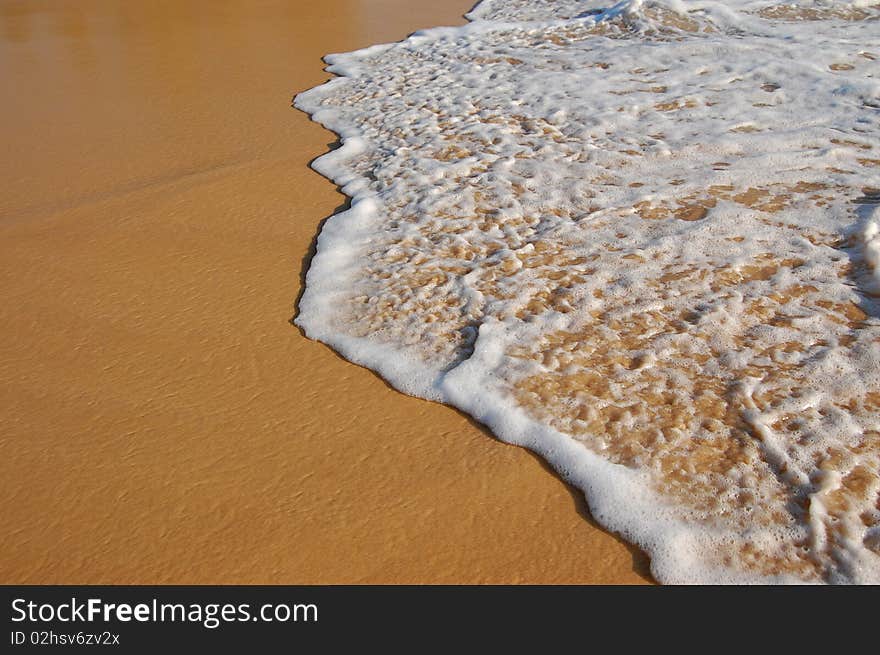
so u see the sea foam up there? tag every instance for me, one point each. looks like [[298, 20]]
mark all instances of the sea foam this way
[[639, 239]]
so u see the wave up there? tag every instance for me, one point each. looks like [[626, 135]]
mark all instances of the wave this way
[[640, 240]]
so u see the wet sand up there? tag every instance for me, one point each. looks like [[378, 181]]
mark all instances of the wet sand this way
[[163, 422]]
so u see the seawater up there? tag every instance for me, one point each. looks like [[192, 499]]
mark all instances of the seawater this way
[[642, 240]]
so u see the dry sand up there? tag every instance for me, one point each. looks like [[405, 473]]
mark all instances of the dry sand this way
[[162, 421]]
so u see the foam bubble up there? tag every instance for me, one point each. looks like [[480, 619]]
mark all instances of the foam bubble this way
[[639, 239]]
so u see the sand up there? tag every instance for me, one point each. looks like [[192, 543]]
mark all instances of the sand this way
[[162, 420]]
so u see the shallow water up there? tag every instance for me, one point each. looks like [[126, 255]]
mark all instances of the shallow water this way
[[642, 240]]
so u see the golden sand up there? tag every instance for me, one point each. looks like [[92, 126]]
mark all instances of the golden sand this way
[[162, 421]]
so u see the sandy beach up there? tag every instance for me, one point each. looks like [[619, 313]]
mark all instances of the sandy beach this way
[[163, 420]]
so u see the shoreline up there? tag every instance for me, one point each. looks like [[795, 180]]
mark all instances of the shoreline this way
[[167, 423]]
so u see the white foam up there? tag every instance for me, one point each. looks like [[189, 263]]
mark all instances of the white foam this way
[[619, 235], [871, 245]]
